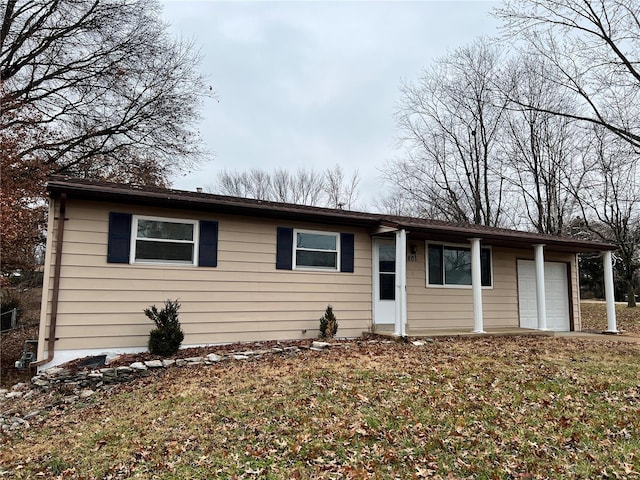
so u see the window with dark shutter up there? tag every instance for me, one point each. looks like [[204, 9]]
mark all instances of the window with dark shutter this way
[[161, 240], [314, 250]]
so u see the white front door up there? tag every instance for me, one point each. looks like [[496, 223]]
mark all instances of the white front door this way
[[384, 281], [556, 290]]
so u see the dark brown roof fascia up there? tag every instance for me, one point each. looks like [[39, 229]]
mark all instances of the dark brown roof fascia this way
[[155, 196], [151, 196], [505, 236]]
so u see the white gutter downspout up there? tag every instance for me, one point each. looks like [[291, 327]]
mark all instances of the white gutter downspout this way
[[541, 299], [608, 292], [476, 286], [401, 284]]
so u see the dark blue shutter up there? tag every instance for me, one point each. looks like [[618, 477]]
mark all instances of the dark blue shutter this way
[[119, 237], [208, 244], [485, 267], [436, 269], [284, 248], [346, 252]]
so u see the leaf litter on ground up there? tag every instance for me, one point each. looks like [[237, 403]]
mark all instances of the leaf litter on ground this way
[[481, 407]]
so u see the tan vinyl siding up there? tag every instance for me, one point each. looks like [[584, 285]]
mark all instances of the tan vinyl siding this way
[[440, 308], [243, 298], [45, 306]]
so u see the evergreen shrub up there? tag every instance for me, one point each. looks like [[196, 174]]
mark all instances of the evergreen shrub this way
[[166, 338], [328, 324]]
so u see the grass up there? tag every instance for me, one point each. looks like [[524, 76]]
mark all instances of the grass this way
[[503, 407], [594, 317]]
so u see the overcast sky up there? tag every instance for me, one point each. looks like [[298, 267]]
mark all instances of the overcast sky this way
[[314, 84]]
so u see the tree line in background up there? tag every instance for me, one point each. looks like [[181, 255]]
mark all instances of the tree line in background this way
[[538, 129], [329, 188]]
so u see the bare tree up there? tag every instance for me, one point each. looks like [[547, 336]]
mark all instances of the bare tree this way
[[341, 192], [259, 184], [116, 95], [450, 121], [306, 187], [231, 183], [330, 188], [543, 151], [281, 185], [594, 48], [610, 203], [302, 187], [396, 202]]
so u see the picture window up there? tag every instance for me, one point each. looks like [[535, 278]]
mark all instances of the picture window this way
[[450, 265]]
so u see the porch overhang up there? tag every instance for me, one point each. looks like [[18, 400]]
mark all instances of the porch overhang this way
[[505, 238]]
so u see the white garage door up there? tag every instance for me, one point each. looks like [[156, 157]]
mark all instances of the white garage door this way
[[556, 293]]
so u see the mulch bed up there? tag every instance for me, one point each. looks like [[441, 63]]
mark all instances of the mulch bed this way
[[129, 358]]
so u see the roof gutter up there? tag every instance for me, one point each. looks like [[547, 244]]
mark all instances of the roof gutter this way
[[56, 284]]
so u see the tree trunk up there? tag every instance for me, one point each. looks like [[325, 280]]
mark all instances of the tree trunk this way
[[631, 293]]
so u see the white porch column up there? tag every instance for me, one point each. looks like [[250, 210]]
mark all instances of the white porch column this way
[[476, 286], [608, 292], [401, 283], [541, 300]]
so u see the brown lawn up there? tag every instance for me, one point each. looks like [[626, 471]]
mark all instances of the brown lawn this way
[[501, 407]]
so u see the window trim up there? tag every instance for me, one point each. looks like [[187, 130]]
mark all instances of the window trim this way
[[294, 250], [134, 237], [454, 245]]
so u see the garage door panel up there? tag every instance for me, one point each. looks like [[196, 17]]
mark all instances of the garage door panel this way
[[527, 295], [556, 293]]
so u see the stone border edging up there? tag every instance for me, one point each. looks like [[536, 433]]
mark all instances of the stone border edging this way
[[98, 377], [84, 383]]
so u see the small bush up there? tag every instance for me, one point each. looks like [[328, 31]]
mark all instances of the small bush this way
[[166, 338], [328, 324]]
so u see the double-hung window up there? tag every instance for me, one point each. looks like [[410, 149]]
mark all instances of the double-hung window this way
[[298, 249], [450, 265], [316, 250], [162, 240]]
